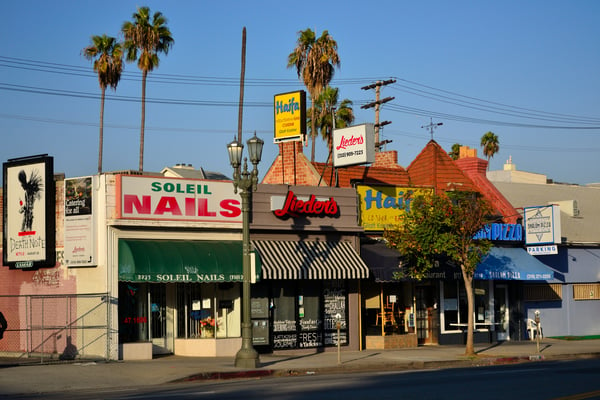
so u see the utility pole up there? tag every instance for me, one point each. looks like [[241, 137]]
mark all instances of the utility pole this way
[[432, 126], [377, 104]]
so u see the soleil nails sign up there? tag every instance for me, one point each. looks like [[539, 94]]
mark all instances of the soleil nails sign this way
[[354, 145], [176, 199], [293, 206]]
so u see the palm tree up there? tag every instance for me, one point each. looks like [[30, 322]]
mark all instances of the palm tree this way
[[324, 107], [455, 152], [315, 60], [107, 54], [490, 145], [149, 38]]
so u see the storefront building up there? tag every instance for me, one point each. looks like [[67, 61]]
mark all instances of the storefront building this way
[[431, 311], [175, 254], [307, 239]]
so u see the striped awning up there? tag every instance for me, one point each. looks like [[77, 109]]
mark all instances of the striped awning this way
[[309, 260]]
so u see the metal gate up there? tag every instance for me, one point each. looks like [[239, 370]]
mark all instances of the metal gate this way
[[51, 328]]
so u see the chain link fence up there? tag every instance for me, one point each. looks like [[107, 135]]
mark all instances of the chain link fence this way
[[53, 328]]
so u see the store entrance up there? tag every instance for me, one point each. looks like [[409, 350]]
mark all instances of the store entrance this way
[[426, 329], [146, 315], [501, 314], [157, 299]]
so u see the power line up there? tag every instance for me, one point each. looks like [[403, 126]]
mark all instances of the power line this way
[[563, 121]]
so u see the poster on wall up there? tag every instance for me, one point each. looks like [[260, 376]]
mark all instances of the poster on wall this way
[[29, 213], [80, 232]]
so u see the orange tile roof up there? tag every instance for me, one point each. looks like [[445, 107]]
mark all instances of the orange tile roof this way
[[359, 173], [434, 167]]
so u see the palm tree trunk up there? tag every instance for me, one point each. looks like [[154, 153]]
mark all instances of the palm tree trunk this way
[[144, 75], [101, 139], [312, 131]]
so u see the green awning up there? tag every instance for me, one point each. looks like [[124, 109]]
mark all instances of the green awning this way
[[182, 261]]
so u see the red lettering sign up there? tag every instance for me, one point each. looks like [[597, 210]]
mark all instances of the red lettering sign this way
[[294, 207], [348, 142]]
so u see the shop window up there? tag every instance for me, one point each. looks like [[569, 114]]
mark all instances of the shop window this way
[[284, 316], [133, 312], [586, 291], [455, 305], [542, 292], [207, 310]]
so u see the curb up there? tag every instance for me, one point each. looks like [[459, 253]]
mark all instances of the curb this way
[[412, 365]]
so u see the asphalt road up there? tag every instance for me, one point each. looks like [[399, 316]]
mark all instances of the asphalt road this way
[[559, 380]]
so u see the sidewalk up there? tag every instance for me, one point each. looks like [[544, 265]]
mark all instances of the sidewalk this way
[[83, 375]]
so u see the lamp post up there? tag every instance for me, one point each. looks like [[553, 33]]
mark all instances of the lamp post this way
[[246, 181]]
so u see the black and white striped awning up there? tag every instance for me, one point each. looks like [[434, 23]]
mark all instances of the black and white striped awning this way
[[309, 260]]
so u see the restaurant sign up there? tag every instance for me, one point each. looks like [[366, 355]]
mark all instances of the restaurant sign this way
[[542, 225], [193, 200], [501, 232], [354, 145], [290, 116], [382, 206], [294, 206]]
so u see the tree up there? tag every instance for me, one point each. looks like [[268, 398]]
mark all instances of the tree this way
[[455, 152], [149, 38], [107, 54], [443, 226], [315, 60], [324, 109], [490, 145]]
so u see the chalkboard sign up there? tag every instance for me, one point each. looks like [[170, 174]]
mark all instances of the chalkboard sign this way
[[334, 303], [285, 341], [331, 338], [310, 339]]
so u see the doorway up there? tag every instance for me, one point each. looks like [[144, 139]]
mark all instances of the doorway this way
[[424, 299], [501, 312]]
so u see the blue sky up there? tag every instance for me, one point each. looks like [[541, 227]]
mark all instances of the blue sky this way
[[527, 71]]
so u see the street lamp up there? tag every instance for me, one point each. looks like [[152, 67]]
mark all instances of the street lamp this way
[[246, 181]]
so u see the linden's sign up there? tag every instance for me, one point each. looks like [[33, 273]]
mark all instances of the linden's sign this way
[[354, 145], [144, 197], [293, 206]]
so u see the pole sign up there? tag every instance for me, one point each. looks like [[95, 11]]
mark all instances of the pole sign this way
[[542, 225], [354, 145], [290, 116], [28, 239], [193, 200]]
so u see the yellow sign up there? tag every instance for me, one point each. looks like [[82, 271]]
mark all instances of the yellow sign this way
[[290, 116], [382, 206]]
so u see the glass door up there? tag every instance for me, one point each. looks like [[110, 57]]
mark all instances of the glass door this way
[[157, 304], [501, 314]]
